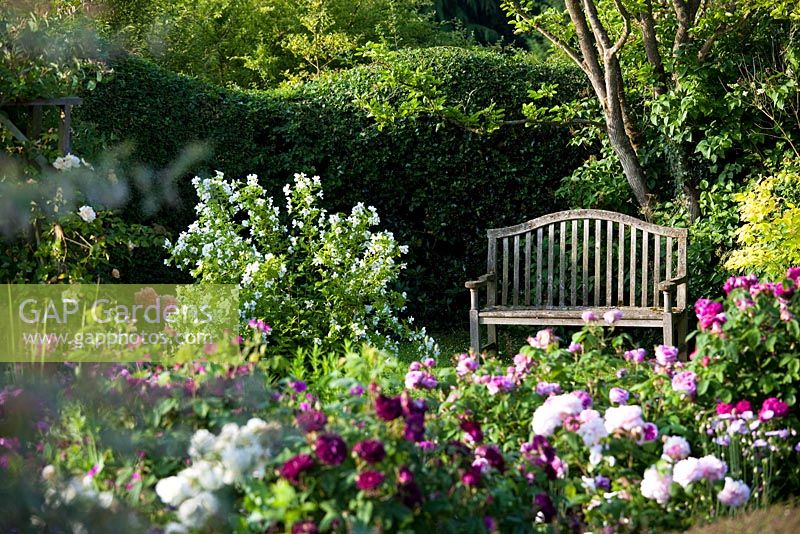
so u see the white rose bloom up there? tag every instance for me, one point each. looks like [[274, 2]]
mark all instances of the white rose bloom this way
[[656, 485], [593, 431], [687, 471], [207, 474], [49, 472], [201, 444], [175, 528], [627, 418], [173, 490], [195, 512], [87, 213]]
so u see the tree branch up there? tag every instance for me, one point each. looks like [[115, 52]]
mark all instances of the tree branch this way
[[626, 30], [650, 41], [588, 49], [559, 43], [600, 33]]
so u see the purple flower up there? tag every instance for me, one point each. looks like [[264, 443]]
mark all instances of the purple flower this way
[[492, 455], [586, 399], [298, 385], [370, 450], [666, 355], [429, 362], [618, 396], [635, 355], [420, 379], [601, 482], [649, 432], [295, 466], [499, 383], [710, 314], [369, 480], [410, 405], [305, 527], [96, 468], [357, 390], [736, 282], [415, 427], [311, 420], [415, 366], [772, 407], [575, 347], [472, 477], [409, 494], [612, 316], [489, 523], [466, 364], [588, 317], [544, 506], [388, 408], [548, 388], [260, 325], [473, 431], [621, 373], [331, 449], [685, 382]]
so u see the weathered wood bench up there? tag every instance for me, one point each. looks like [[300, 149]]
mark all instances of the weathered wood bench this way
[[556, 267]]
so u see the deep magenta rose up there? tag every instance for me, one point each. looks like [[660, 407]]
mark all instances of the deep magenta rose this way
[[311, 420], [331, 449], [369, 480], [388, 408], [370, 450], [295, 466]]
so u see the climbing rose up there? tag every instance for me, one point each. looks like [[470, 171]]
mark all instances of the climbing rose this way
[[305, 527], [685, 382], [545, 507], [473, 431], [588, 317], [612, 316], [635, 355]]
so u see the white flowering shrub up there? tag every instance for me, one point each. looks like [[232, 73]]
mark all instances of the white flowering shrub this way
[[318, 279]]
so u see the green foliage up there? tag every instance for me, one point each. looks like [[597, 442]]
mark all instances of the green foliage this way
[[256, 43], [437, 187], [768, 241], [52, 232], [46, 52]]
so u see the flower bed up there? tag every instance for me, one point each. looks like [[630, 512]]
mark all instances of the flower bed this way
[[589, 435]]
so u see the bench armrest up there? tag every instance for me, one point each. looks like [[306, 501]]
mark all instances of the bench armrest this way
[[480, 282], [669, 285]]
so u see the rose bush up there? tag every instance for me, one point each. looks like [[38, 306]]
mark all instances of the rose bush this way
[[589, 435]]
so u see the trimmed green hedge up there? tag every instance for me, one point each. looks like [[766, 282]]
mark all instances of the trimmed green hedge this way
[[438, 187]]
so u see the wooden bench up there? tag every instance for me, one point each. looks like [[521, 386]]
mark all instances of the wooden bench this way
[[556, 267]]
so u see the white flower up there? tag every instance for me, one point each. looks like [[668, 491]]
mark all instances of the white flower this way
[[175, 528], [627, 418], [552, 413], [676, 448], [87, 214], [49, 472], [734, 494], [173, 490], [687, 471], [713, 468], [195, 512], [593, 430], [207, 474], [202, 443], [656, 485]]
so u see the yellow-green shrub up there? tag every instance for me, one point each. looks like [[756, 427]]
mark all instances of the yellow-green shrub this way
[[769, 240]]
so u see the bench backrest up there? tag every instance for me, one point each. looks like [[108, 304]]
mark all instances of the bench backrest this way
[[585, 258]]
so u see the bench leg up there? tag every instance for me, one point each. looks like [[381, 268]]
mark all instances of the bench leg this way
[[491, 334], [474, 332], [669, 329], [683, 327]]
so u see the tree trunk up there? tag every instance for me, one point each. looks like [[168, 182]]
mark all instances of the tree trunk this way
[[631, 165]]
